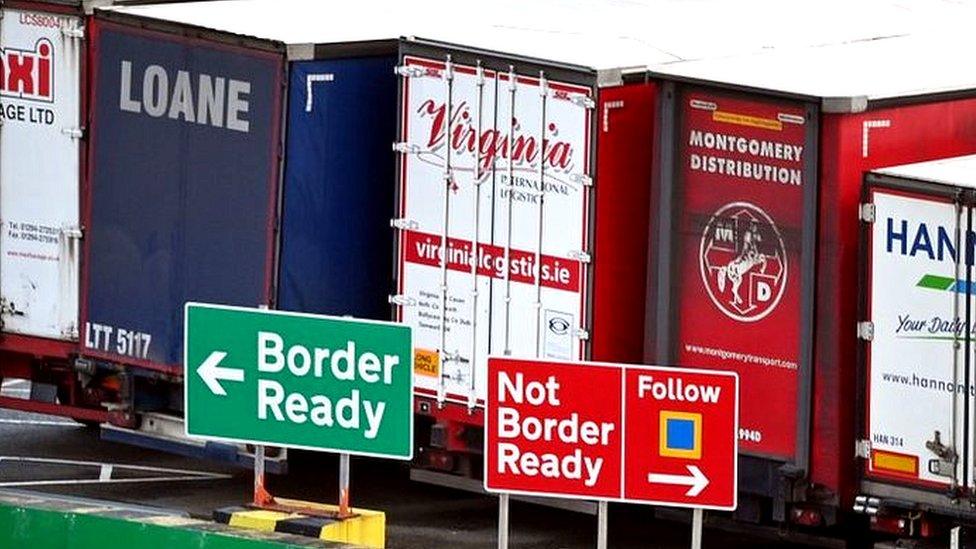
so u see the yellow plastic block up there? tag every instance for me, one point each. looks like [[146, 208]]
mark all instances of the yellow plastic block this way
[[367, 528], [264, 521]]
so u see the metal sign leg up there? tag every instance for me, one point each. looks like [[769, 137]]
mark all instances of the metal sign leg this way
[[503, 521], [696, 529], [344, 486], [601, 525], [261, 496]]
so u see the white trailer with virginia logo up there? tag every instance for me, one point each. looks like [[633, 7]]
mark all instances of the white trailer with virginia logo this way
[[499, 249], [917, 365]]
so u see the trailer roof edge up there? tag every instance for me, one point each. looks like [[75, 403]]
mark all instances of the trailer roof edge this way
[[844, 105], [300, 52], [190, 31]]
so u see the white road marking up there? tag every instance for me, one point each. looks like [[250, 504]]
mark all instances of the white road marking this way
[[41, 422], [105, 473]]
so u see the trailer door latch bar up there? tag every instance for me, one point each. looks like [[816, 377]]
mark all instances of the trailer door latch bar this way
[[862, 448]]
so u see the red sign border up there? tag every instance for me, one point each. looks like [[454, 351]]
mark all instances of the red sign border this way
[[623, 368]]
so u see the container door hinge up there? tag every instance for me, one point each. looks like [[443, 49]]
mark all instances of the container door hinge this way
[[407, 148], [409, 71], [402, 301], [72, 233], [862, 448], [70, 331], [9, 308], [868, 212], [580, 256], [74, 133], [581, 179], [583, 101], [74, 33], [865, 330], [404, 224], [581, 334]]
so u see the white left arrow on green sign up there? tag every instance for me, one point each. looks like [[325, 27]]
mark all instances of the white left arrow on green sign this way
[[212, 373]]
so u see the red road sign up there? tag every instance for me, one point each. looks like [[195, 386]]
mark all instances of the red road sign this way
[[666, 436]]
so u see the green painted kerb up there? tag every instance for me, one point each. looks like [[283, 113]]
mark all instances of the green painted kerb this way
[[34, 528], [296, 380]]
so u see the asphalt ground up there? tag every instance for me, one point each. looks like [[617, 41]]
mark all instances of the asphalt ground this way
[[55, 455]]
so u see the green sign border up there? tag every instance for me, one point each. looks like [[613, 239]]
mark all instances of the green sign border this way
[[189, 371]]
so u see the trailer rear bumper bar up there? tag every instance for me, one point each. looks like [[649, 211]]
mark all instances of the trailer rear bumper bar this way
[[53, 409]]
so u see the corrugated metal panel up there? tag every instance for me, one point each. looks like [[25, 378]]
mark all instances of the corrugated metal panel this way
[[336, 255], [183, 186]]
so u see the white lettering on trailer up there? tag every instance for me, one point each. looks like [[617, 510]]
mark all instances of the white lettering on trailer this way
[[677, 390], [216, 101], [757, 148], [120, 341]]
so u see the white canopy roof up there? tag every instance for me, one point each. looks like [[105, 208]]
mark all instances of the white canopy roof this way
[[960, 171], [822, 48]]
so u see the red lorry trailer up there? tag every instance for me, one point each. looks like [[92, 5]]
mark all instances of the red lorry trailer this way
[[915, 427], [754, 260]]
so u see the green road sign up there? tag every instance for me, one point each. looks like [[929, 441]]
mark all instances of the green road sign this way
[[298, 380]]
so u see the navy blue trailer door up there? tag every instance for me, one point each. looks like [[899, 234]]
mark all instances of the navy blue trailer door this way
[[336, 239], [183, 187]]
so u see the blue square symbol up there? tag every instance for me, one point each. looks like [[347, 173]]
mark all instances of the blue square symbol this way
[[681, 434]]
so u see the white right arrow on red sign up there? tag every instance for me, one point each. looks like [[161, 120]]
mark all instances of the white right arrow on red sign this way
[[696, 482]]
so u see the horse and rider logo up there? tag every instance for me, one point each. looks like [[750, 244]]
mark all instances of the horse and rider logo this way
[[743, 261]]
